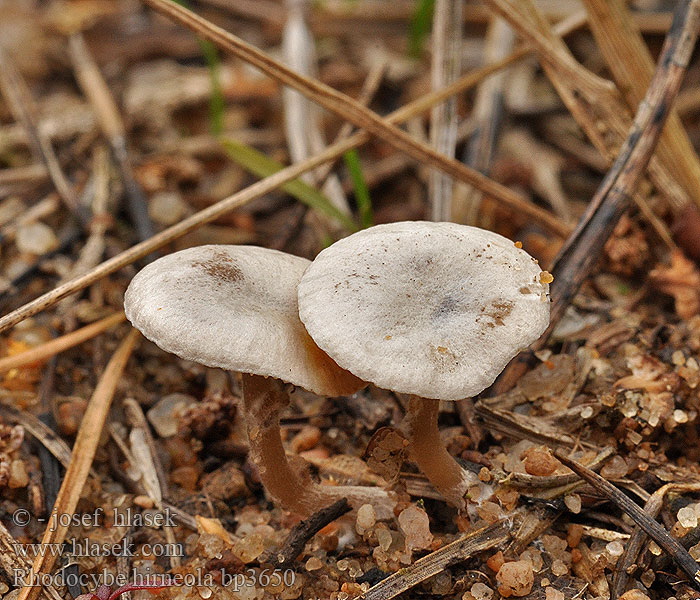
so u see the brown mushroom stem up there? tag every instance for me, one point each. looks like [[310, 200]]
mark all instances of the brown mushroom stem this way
[[263, 399], [427, 449]]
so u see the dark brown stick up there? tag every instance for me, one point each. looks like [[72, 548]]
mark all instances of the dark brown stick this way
[[652, 527], [583, 248], [96, 91], [304, 530]]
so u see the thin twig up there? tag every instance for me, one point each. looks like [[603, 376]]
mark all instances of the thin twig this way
[[352, 111], [625, 564], [456, 552], [59, 344], [652, 527], [81, 459], [303, 531], [487, 114]]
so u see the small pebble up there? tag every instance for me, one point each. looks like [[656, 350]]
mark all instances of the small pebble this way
[[35, 238], [559, 568], [481, 591], [515, 578], [614, 549], [687, 517], [574, 534], [143, 502], [615, 468], [366, 518], [634, 595], [539, 461], [573, 503], [306, 439], [167, 208], [384, 538], [18, 474], [314, 564], [164, 414], [680, 416], [551, 593], [415, 526]]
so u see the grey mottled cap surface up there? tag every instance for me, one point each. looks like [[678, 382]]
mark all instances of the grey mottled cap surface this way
[[432, 309], [233, 307]]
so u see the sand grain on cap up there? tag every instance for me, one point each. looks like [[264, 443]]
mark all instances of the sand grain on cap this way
[[432, 309], [233, 307]]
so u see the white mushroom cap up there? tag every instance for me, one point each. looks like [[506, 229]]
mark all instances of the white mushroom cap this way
[[431, 309], [233, 307]]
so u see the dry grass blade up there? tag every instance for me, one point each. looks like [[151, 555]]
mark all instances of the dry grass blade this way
[[59, 344], [632, 67], [250, 193], [95, 89], [20, 101], [14, 561], [582, 249], [352, 111], [83, 453], [650, 526], [597, 108], [423, 568], [302, 117], [487, 112], [446, 63]]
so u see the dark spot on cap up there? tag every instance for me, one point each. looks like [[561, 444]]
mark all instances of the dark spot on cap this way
[[221, 267]]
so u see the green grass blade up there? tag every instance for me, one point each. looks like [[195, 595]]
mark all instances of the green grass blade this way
[[258, 164], [364, 202], [216, 101], [420, 27]]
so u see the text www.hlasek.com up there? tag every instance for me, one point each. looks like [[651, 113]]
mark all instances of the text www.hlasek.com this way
[[86, 548]]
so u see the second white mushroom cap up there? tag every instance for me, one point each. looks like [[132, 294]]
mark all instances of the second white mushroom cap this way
[[431, 309]]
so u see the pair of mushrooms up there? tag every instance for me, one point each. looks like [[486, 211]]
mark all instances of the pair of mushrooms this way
[[435, 310]]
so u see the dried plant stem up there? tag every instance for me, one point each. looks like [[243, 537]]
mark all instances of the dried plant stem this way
[[582, 249], [435, 562], [632, 67], [255, 191], [626, 563], [446, 63], [487, 113], [349, 109], [652, 527], [22, 106], [81, 459], [59, 344], [96, 91]]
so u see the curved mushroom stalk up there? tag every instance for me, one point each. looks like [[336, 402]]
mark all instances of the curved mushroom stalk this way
[[264, 398], [428, 451]]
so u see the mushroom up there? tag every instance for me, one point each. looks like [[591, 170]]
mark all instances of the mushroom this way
[[235, 307], [435, 310]]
